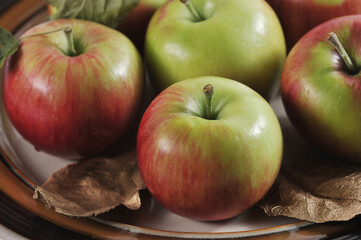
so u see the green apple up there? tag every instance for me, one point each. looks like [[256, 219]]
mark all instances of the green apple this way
[[209, 158], [231, 38]]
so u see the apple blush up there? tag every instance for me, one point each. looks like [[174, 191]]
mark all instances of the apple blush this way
[[73, 88], [321, 87], [300, 16], [209, 148]]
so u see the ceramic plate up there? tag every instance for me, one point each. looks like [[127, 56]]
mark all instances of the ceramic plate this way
[[35, 167], [23, 167]]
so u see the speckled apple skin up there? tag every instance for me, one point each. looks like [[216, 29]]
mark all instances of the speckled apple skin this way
[[73, 106], [322, 99], [209, 169]]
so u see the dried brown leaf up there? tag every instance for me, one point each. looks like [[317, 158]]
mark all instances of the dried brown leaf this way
[[328, 179], [93, 186], [311, 185], [288, 199]]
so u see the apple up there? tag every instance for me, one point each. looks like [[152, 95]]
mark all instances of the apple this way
[[51, 9], [226, 38], [322, 96], [209, 157], [299, 16], [73, 104], [136, 22]]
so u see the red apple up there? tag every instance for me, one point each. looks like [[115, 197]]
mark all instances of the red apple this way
[[209, 159], [136, 22], [299, 16], [321, 95], [73, 105]]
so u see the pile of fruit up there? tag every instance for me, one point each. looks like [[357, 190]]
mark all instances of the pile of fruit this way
[[209, 145]]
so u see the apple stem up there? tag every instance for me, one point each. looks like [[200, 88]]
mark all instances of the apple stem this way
[[68, 30], [335, 42], [208, 91], [191, 8]]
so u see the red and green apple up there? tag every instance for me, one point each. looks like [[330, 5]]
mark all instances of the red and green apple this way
[[321, 87], [299, 16], [73, 102], [226, 38], [209, 153]]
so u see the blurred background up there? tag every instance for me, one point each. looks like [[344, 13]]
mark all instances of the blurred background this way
[[5, 4]]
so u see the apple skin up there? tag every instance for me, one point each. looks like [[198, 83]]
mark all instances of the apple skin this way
[[209, 169], [135, 24], [323, 100], [238, 40], [299, 16], [73, 106]]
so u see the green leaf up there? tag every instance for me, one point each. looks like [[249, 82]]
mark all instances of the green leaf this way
[[107, 12], [8, 45]]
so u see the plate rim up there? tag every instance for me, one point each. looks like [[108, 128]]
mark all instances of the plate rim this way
[[132, 229]]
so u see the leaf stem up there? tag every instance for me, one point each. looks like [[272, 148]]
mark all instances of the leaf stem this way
[[208, 91], [335, 42], [40, 34], [191, 8], [68, 30]]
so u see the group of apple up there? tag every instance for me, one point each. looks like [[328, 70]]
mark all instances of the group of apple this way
[[208, 147]]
